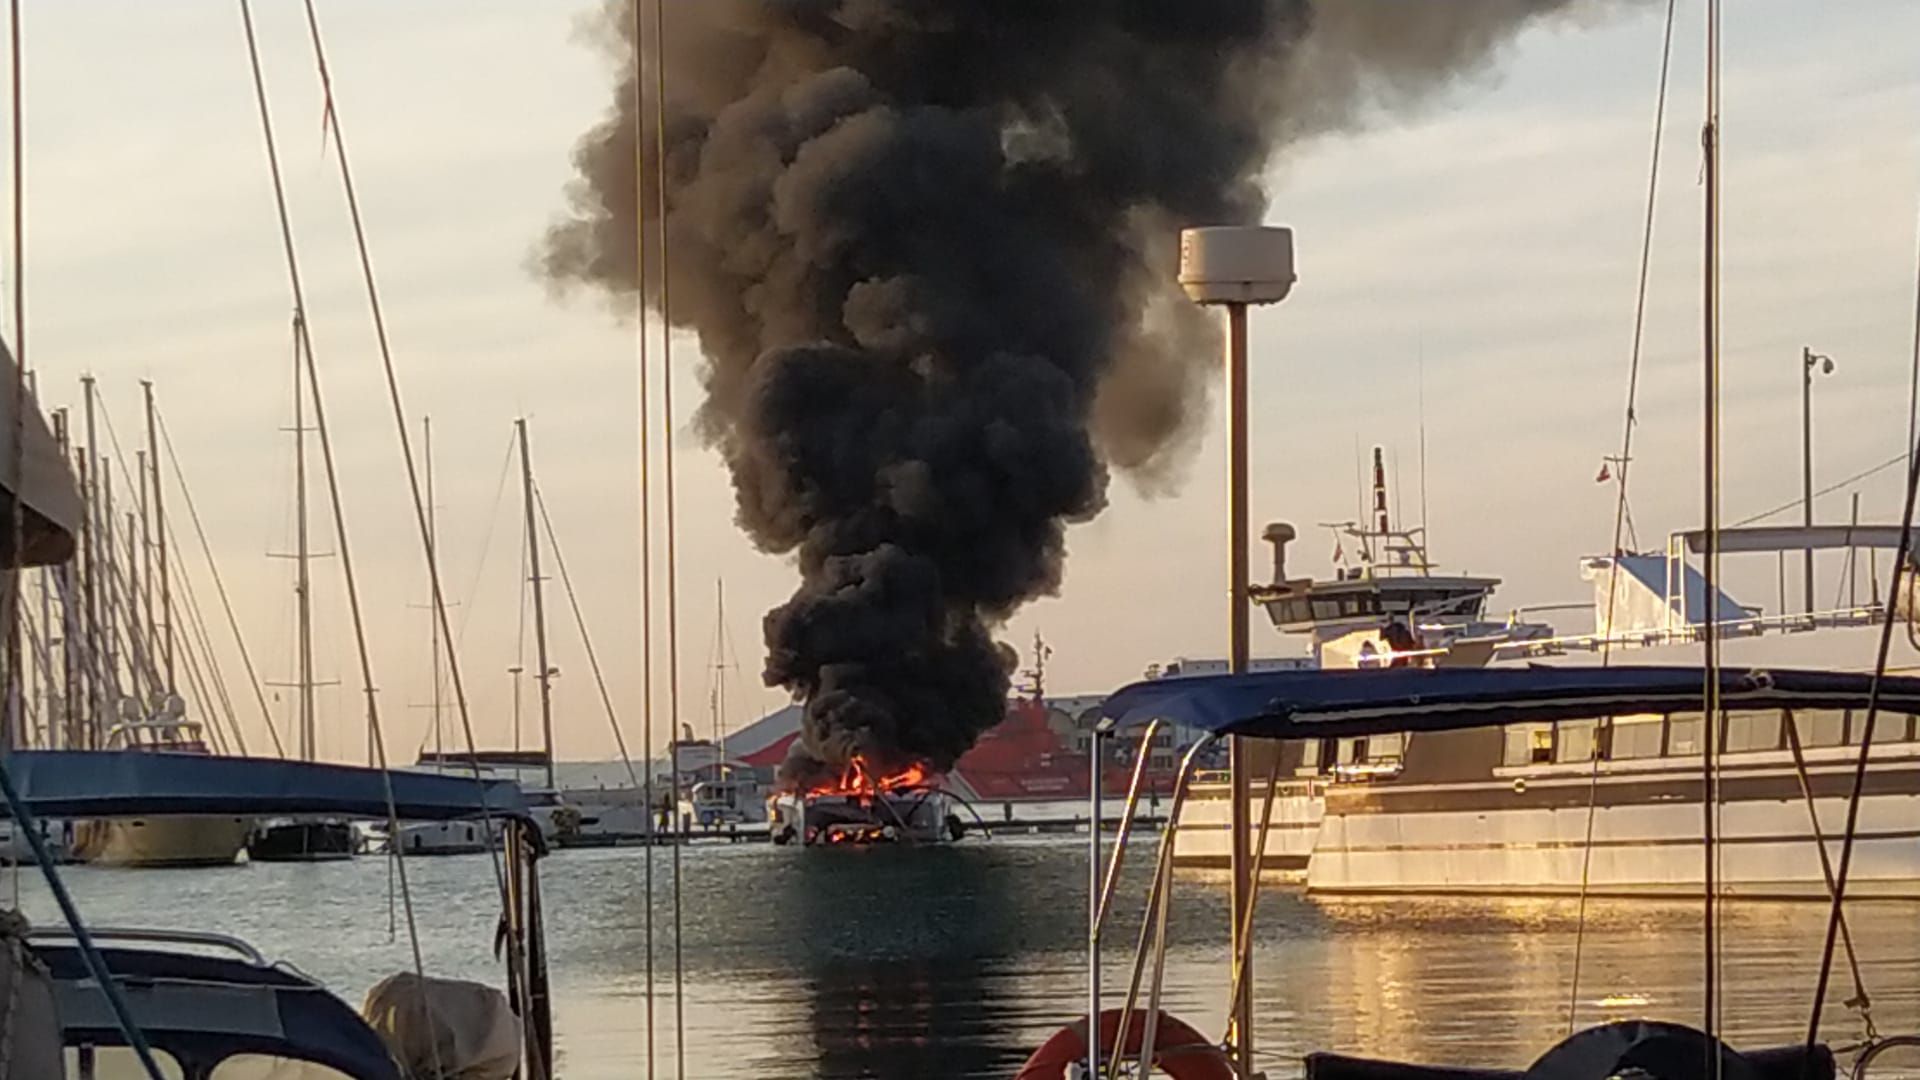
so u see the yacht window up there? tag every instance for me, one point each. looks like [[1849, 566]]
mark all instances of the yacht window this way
[[1348, 751], [1683, 734], [1385, 747], [117, 1063], [1820, 727], [1887, 727], [1528, 744], [1752, 730], [1310, 754], [1576, 742], [1636, 737], [1326, 609]]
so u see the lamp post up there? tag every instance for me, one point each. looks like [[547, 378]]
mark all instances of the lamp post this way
[[1235, 267], [1809, 360]]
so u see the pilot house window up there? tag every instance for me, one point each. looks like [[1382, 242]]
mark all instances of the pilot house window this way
[[1636, 737], [1528, 744], [1820, 727], [1576, 741], [1752, 730], [1683, 734]]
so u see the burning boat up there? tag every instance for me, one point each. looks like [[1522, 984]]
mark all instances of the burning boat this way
[[859, 808]]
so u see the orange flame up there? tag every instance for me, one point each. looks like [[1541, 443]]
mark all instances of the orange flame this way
[[858, 779]]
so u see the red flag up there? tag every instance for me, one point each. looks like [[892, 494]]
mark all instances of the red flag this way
[[1338, 552], [1605, 474]]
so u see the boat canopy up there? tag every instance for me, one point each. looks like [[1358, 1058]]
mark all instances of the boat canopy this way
[[1329, 704], [130, 783], [202, 1010]]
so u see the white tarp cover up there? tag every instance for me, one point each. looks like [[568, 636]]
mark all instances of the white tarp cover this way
[[42, 480], [445, 1029], [32, 1046]]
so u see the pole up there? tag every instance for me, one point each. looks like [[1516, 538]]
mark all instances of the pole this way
[[1094, 1049], [303, 551], [160, 540], [539, 603], [1806, 464], [1238, 630]]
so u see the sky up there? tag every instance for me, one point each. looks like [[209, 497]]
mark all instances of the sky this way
[[1467, 268]]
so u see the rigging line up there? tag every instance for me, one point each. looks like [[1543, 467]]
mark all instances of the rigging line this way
[[646, 489], [593, 660], [666, 464], [189, 607], [1902, 458], [1901, 568], [486, 546], [1620, 519], [1860, 997], [1710, 492], [220, 586], [305, 346], [406, 444]]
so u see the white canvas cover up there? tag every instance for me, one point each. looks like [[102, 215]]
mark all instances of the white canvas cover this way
[[445, 1029]]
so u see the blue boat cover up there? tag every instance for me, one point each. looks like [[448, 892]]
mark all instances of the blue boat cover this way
[[1324, 704], [202, 1009], [129, 783]]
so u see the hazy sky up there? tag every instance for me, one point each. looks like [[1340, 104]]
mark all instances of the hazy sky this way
[[1491, 237]]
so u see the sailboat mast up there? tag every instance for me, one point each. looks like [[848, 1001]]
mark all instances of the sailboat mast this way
[[302, 554], [433, 617], [109, 626], [720, 668], [539, 602], [160, 543], [90, 582], [149, 633], [1710, 552]]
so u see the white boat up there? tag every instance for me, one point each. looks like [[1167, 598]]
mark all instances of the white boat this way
[[861, 809], [1386, 605], [1508, 812]]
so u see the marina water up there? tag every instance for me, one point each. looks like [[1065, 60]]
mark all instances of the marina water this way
[[955, 962]]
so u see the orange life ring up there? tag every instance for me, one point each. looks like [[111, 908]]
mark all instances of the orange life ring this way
[[1178, 1050]]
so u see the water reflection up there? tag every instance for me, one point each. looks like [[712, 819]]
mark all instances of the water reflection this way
[[900, 951], [955, 963]]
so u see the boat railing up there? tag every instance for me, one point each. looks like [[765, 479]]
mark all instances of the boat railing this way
[[144, 936]]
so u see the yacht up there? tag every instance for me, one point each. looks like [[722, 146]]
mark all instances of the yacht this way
[[161, 840], [1386, 605], [1608, 805]]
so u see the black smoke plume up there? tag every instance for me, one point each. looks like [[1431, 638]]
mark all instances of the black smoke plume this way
[[928, 247]]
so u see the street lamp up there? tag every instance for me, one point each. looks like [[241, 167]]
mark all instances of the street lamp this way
[[1809, 361], [1234, 267]]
